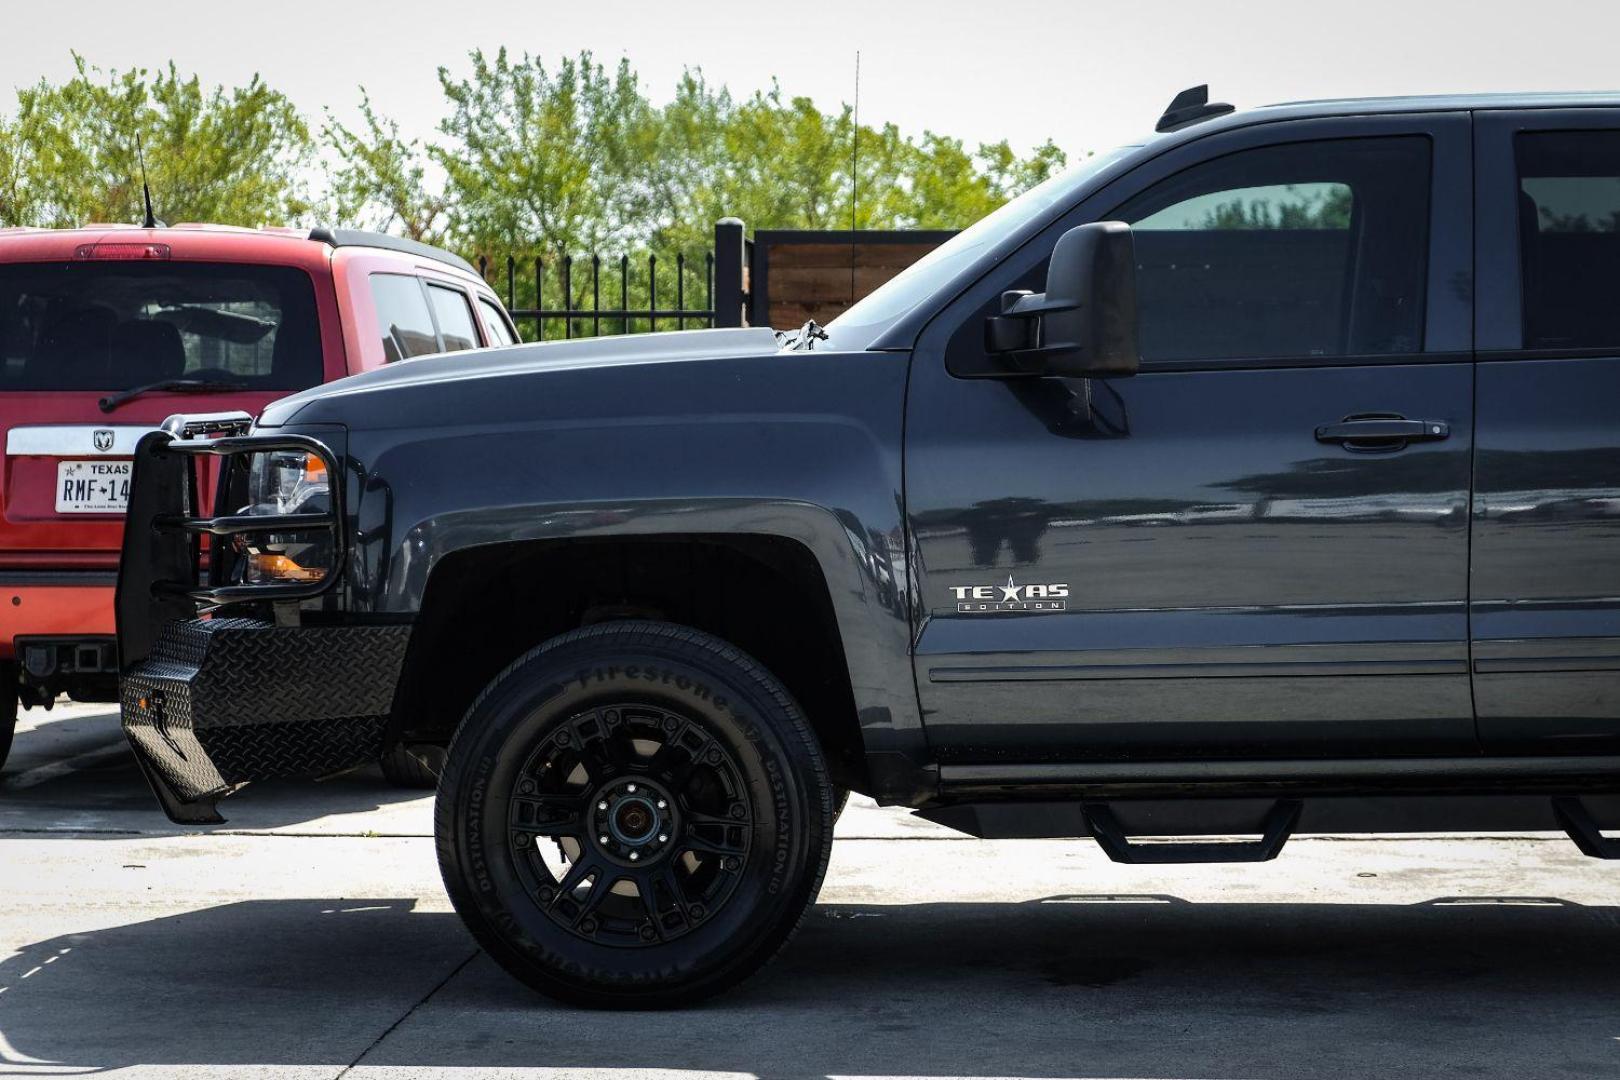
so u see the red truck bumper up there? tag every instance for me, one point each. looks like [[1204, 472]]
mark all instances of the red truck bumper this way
[[60, 636]]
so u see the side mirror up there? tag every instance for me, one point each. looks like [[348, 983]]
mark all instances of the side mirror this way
[[1084, 324]]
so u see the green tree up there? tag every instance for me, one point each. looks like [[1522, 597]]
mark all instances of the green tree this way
[[538, 161], [237, 156], [380, 179], [535, 156]]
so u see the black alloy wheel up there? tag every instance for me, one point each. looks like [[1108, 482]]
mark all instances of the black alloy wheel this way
[[631, 825]]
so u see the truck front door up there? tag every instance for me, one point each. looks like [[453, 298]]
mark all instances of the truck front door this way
[[1232, 553]]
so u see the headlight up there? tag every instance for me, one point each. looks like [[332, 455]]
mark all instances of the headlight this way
[[286, 482]]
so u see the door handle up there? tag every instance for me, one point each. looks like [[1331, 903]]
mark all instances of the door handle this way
[[1382, 432]]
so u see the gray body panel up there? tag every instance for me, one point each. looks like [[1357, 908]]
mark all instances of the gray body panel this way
[[663, 437]]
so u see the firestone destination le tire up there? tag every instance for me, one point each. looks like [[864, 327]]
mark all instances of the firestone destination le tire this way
[[635, 814]]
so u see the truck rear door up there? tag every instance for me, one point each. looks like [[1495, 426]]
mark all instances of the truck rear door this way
[[1545, 600]]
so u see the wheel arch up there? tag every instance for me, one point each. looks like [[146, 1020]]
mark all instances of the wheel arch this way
[[484, 606]]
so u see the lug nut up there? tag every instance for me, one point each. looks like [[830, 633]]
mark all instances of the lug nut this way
[[730, 862], [634, 856], [663, 838], [588, 926], [631, 789], [603, 839], [602, 805], [696, 911], [520, 839], [714, 757], [662, 804], [648, 933], [737, 811], [669, 723], [612, 716], [546, 894], [526, 787]]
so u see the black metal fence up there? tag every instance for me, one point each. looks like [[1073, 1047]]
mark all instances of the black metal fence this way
[[779, 277], [675, 294]]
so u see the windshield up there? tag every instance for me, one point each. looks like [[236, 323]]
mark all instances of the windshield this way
[[878, 309], [89, 325]]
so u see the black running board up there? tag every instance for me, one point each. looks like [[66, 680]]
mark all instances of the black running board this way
[[1275, 829], [1107, 781], [1573, 817]]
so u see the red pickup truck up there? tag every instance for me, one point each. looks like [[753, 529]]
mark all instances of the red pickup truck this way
[[106, 330]]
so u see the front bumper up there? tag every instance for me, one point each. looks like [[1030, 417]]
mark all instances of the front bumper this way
[[221, 702], [211, 702]]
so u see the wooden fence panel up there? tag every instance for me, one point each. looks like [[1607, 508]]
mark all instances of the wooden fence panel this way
[[796, 275]]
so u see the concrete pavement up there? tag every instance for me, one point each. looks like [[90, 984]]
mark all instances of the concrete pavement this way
[[310, 937]]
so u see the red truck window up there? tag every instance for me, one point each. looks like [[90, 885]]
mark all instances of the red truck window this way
[[114, 325], [500, 331], [455, 318], [403, 317]]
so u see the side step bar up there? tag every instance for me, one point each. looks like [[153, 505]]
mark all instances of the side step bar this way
[[1572, 815], [1275, 830], [1195, 827]]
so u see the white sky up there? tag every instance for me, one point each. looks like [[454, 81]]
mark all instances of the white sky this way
[[1088, 74]]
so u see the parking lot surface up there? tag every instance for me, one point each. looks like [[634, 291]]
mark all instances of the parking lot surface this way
[[310, 937]]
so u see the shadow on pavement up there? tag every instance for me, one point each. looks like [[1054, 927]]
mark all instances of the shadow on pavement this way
[[1064, 986], [73, 774]]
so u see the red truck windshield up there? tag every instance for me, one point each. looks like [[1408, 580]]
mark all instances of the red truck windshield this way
[[89, 325]]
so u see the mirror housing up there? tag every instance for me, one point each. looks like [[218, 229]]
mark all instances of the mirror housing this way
[[1084, 324]]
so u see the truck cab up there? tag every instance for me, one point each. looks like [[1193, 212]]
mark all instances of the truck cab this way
[[1259, 477], [106, 330]]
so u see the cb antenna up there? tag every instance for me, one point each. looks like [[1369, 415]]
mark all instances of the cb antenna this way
[[854, 176], [150, 221]]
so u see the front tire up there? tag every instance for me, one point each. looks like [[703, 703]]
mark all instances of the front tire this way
[[635, 814]]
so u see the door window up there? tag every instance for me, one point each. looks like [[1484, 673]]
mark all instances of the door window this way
[[455, 318], [1569, 238], [1311, 249], [403, 317], [500, 331]]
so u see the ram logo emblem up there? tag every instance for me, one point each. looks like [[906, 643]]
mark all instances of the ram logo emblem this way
[[102, 439]]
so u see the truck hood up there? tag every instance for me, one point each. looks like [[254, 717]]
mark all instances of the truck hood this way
[[544, 358]]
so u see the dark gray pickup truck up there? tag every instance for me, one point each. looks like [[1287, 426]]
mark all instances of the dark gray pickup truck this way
[[1261, 477]]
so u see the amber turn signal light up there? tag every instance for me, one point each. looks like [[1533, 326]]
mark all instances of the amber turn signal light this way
[[274, 566]]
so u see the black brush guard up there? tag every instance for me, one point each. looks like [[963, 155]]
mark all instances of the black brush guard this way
[[210, 702]]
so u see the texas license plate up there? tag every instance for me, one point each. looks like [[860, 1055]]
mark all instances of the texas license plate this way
[[92, 487]]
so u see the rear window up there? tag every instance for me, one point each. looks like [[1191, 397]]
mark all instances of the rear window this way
[[115, 325], [1569, 238]]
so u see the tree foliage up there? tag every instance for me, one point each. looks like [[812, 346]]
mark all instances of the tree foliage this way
[[379, 179], [68, 155], [578, 157], [530, 158]]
